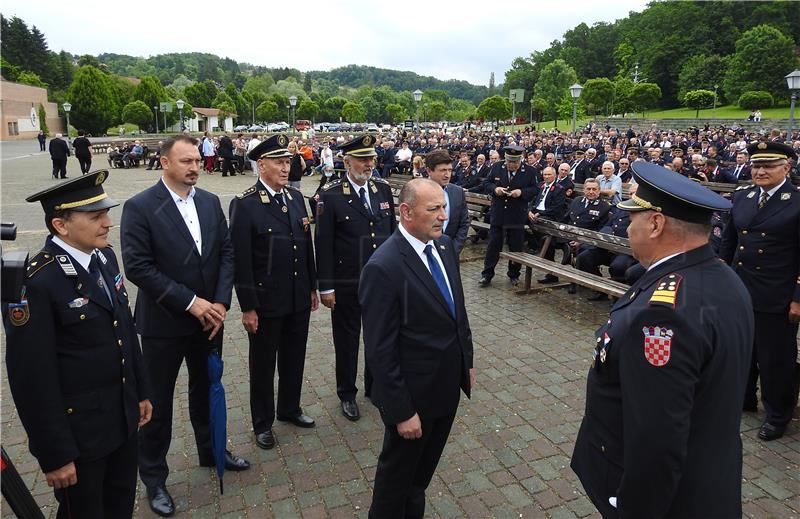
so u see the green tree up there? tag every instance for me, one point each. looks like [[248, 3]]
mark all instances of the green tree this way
[[307, 109], [553, 82], [268, 111], [701, 72], [93, 106], [564, 108], [755, 100], [138, 113], [43, 120], [494, 108], [698, 99], [353, 112], [622, 101], [763, 57], [539, 108], [150, 91], [259, 83], [225, 104], [30, 78], [307, 82], [644, 96], [597, 94], [288, 87], [87, 60], [201, 94], [434, 111], [396, 113]]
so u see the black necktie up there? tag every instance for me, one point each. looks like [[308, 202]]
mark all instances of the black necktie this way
[[281, 202], [438, 277], [97, 275], [762, 201], [362, 193], [738, 172]]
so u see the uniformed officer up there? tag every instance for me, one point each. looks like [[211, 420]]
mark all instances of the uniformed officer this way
[[762, 244], [73, 357], [512, 186], [660, 435], [354, 216], [276, 284]]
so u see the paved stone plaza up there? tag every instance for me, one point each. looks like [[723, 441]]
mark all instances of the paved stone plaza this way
[[508, 454]]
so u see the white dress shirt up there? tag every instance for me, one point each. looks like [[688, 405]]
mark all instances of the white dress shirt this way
[[419, 248], [80, 256], [358, 188], [188, 211]]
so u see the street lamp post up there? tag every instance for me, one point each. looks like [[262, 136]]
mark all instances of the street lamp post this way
[[714, 110], [67, 107], [293, 103], [575, 92], [155, 110], [180, 104], [417, 99], [793, 81]]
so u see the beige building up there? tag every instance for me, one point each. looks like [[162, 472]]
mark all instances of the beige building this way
[[19, 110]]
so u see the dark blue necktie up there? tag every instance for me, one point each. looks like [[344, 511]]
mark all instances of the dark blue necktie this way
[[362, 193], [438, 276], [97, 276]]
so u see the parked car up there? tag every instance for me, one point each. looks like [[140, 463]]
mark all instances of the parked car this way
[[345, 127], [255, 128], [372, 127], [322, 127], [274, 127], [241, 128], [302, 124], [283, 126], [333, 127]]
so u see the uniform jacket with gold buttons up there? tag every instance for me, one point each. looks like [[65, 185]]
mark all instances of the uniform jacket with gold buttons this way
[[347, 234], [74, 362], [763, 246], [586, 214], [505, 210], [274, 255]]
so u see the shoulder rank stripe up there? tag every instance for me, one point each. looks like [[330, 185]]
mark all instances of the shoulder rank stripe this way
[[247, 192], [38, 262], [666, 292], [331, 185]]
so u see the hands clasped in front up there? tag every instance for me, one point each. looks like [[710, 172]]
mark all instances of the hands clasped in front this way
[[211, 315]]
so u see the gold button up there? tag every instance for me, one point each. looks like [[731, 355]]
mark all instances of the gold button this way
[[260, 284], [295, 273], [269, 230], [295, 247], [123, 361], [603, 448], [374, 246], [373, 235], [119, 342], [741, 247], [739, 264], [123, 380], [346, 217], [760, 251], [70, 410], [371, 224], [744, 232], [763, 235], [116, 324], [83, 317], [758, 268], [295, 260]]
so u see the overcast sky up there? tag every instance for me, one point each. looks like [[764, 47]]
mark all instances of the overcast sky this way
[[447, 40]]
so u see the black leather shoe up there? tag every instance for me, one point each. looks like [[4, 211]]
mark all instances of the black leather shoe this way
[[597, 296], [265, 440], [771, 432], [573, 288], [160, 501], [514, 282], [484, 282], [234, 463], [299, 420], [350, 410], [549, 278]]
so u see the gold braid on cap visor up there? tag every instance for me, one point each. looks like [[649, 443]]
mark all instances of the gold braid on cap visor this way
[[81, 203], [644, 203]]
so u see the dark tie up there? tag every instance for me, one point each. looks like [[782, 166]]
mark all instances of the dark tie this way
[[762, 201], [362, 193], [738, 172], [438, 277], [97, 275], [281, 202]]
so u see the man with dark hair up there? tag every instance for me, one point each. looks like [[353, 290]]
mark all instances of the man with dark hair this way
[[457, 225], [74, 364], [418, 343], [660, 435], [177, 250], [59, 151], [83, 151]]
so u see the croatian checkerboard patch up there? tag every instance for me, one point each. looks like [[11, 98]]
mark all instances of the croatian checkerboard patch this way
[[657, 345]]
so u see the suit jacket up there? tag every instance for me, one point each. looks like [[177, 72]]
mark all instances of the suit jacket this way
[[588, 215], [729, 174], [419, 355], [161, 258], [225, 149], [763, 246], [555, 202], [663, 395], [74, 363], [274, 256], [507, 211], [459, 222], [58, 148]]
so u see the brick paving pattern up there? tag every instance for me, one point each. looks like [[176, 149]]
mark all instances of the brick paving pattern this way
[[508, 455]]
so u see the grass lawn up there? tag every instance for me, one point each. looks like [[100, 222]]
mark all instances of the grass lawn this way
[[129, 129]]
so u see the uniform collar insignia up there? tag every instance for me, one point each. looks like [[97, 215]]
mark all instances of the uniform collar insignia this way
[[66, 265]]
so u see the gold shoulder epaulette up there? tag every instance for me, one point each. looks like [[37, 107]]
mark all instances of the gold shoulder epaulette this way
[[247, 192], [667, 291], [745, 187], [331, 185], [36, 263]]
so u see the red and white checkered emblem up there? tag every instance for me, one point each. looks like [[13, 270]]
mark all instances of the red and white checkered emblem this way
[[657, 343]]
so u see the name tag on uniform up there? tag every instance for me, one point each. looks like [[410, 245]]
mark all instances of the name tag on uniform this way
[[594, 212], [384, 205], [78, 303]]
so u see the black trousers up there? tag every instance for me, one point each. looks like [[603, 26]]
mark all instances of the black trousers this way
[[163, 358], [106, 487], [405, 468], [86, 164], [346, 319], [590, 258], [41, 145], [282, 338], [515, 236], [775, 350], [59, 168], [226, 166]]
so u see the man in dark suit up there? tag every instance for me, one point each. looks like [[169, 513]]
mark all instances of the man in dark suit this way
[[419, 345], [739, 171], [660, 435], [225, 153], [177, 250], [73, 358], [550, 203], [59, 151], [354, 216], [456, 226], [512, 186], [762, 243], [276, 285], [579, 168]]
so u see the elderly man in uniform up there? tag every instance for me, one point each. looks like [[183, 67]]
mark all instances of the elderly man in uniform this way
[[275, 282], [762, 244], [354, 216], [512, 186], [74, 363], [660, 436]]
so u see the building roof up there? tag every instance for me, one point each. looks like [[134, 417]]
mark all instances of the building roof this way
[[210, 112]]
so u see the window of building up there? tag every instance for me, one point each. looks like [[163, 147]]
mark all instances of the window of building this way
[[13, 128]]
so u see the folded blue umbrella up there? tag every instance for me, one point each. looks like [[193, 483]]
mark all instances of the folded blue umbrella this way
[[217, 412]]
